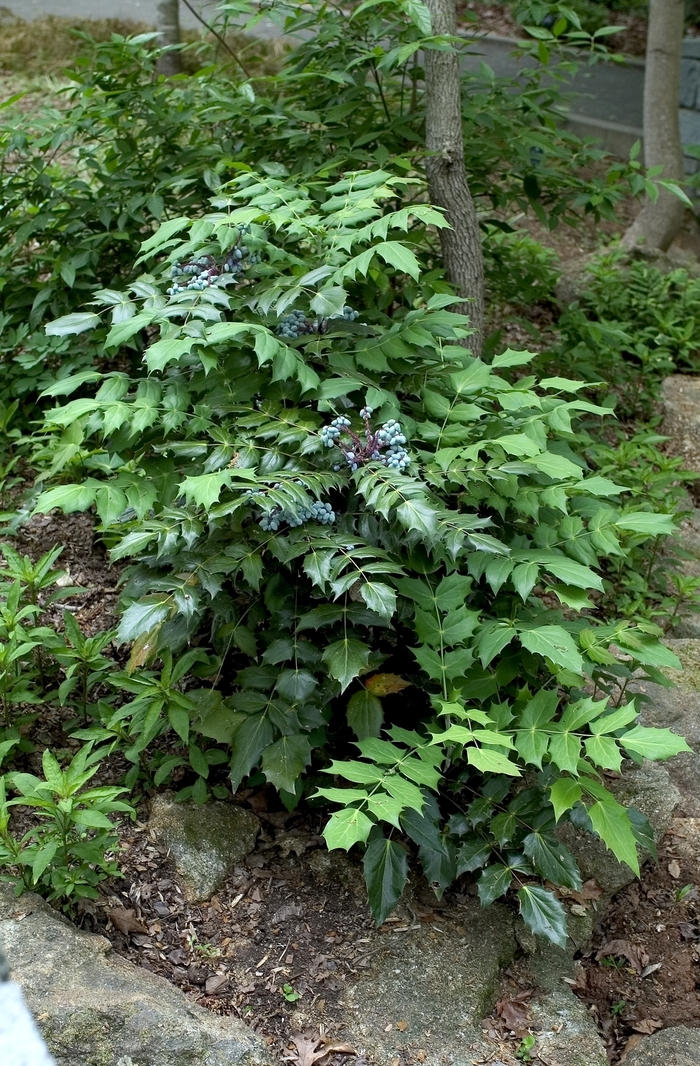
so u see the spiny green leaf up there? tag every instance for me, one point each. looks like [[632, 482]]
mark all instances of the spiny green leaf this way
[[365, 714], [345, 659], [347, 827], [543, 913], [386, 873]]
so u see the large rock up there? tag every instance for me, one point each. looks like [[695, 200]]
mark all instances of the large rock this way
[[205, 842], [440, 979], [650, 789], [681, 423], [678, 1046], [565, 1031], [96, 1009], [678, 709]]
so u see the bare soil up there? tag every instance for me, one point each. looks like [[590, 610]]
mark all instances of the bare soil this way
[[641, 972]]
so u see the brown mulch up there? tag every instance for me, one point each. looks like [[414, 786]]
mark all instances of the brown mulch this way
[[641, 971], [85, 562], [275, 946]]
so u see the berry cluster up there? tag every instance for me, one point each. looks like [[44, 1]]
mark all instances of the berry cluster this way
[[203, 271], [296, 324], [318, 512], [358, 452]]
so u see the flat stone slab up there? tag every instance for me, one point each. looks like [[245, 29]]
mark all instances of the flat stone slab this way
[[431, 985], [205, 842], [96, 1009], [678, 1046]]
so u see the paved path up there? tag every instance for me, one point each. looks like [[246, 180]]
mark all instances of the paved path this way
[[141, 10], [608, 103]]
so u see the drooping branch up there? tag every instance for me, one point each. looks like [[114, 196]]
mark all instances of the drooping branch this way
[[447, 175], [657, 223], [168, 26]]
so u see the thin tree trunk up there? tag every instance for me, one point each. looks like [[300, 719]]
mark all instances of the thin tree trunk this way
[[657, 223], [447, 175], [168, 26]]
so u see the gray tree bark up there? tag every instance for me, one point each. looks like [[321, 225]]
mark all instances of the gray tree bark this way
[[657, 223], [168, 26], [447, 175]]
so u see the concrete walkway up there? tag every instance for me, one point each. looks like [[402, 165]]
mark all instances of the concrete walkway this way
[[139, 10]]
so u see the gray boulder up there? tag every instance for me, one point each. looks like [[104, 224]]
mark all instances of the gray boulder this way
[[205, 842], [681, 423], [650, 789], [96, 1009], [565, 1031], [678, 1046], [430, 985]]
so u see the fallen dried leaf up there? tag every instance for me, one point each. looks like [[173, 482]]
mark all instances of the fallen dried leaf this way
[[214, 983], [402, 1026], [514, 1011], [307, 1049], [635, 955], [334, 1047], [649, 970], [591, 890], [385, 684], [631, 1043], [647, 1026], [125, 921], [674, 869], [687, 930]]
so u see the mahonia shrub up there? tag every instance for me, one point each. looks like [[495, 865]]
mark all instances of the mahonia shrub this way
[[330, 501]]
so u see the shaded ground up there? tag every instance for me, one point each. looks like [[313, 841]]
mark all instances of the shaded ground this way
[[641, 971]]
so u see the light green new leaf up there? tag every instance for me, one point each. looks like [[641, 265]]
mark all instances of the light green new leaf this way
[[604, 752], [379, 597], [512, 358], [204, 489], [655, 525], [572, 573], [345, 659], [347, 827], [385, 808], [491, 762], [386, 873], [399, 256], [418, 515], [564, 794], [67, 497], [611, 823], [543, 913], [167, 351], [555, 466], [143, 616], [75, 323], [565, 751], [361, 773], [654, 743]]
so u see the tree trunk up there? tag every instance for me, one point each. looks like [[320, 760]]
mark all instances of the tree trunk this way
[[447, 175], [657, 223], [168, 26]]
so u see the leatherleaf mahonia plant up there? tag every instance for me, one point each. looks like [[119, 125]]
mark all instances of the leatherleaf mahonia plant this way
[[320, 486]]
